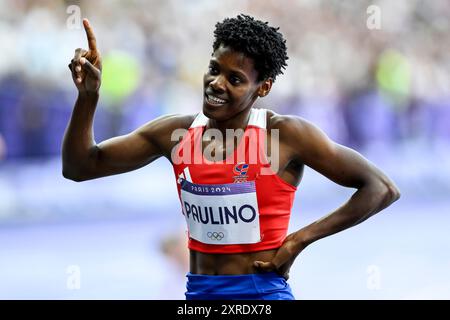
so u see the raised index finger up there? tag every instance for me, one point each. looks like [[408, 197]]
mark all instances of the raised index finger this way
[[92, 42]]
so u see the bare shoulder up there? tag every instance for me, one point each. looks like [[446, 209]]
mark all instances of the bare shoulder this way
[[166, 124], [301, 136], [158, 132], [291, 126]]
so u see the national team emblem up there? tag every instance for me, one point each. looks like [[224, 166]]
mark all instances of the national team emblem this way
[[240, 170]]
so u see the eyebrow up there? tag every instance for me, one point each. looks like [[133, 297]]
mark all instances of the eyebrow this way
[[234, 71]]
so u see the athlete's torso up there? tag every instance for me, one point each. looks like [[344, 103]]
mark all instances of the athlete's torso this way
[[242, 262]]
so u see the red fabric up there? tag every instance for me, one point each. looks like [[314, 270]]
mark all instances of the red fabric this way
[[274, 195]]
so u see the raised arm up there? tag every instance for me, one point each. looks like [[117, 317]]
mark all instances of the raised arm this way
[[311, 147], [82, 158]]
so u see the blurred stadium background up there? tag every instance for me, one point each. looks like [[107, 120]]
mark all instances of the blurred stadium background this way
[[384, 92]]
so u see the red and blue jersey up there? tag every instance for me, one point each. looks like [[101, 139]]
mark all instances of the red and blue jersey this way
[[236, 205]]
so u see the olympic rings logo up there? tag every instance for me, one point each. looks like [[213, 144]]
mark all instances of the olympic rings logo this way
[[215, 235]]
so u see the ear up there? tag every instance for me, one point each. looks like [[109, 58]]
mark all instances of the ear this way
[[265, 87]]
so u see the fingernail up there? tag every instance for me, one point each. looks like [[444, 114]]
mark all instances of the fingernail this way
[[78, 68], [79, 80], [83, 60]]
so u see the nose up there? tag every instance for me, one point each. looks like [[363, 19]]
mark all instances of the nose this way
[[218, 84]]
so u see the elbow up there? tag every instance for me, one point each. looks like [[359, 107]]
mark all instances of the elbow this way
[[397, 193], [391, 193], [383, 193], [71, 175], [78, 168]]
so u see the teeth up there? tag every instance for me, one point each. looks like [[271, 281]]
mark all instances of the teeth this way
[[215, 100]]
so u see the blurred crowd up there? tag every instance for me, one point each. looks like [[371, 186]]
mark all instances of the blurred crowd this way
[[373, 74], [366, 87]]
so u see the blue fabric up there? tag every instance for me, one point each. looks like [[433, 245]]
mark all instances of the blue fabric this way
[[257, 286]]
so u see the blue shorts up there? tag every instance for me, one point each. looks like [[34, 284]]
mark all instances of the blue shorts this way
[[255, 286]]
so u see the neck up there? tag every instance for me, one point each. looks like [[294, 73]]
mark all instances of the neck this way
[[239, 121]]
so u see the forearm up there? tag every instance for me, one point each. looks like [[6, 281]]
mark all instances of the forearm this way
[[78, 148], [367, 201]]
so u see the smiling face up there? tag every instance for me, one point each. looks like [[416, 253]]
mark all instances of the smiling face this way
[[231, 84]]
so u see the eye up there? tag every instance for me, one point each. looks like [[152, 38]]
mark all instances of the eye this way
[[235, 80], [213, 70]]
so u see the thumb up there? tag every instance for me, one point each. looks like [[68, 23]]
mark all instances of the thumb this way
[[88, 67], [265, 266]]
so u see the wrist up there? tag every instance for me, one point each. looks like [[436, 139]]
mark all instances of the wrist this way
[[301, 239], [87, 95]]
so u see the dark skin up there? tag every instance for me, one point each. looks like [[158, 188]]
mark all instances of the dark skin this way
[[231, 76]]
